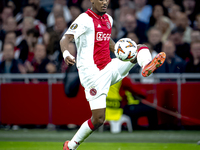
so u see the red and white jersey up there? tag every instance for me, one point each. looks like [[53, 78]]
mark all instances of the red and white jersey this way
[[92, 36]]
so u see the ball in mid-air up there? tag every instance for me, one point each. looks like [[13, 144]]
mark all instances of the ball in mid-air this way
[[125, 49]]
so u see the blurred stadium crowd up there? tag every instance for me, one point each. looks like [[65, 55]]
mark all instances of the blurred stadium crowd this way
[[30, 31]]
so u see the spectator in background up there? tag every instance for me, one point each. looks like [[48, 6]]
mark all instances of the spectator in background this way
[[110, 11], [75, 12], [11, 24], [114, 33], [72, 3], [131, 24], [133, 37], [41, 13], [40, 62], [6, 13], [143, 11], [59, 9], [86, 4], [173, 11], [124, 98], [28, 44], [167, 4], [30, 10], [28, 23], [193, 66], [190, 10], [163, 24], [9, 64], [11, 38], [60, 26], [195, 35], [51, 41], [158, 12], [173, 63], [182, 48], [182, 21], [154, 38], [125, 7], [197, 22]]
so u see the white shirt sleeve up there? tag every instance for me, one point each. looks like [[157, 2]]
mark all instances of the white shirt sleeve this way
[[79, 26]]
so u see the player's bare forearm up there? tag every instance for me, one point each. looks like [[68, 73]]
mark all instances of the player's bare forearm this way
[[64, 42], [112, 45]]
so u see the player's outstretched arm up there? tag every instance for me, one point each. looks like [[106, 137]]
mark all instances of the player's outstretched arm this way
[[112, 45], [64, 42]]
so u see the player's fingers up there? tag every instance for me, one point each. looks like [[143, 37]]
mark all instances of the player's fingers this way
[[69, 61]]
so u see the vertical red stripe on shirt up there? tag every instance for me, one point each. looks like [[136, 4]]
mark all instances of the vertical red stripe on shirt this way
[[103, 29]]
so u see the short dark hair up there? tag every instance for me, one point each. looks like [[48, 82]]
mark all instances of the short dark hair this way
[[33, 31], [31, 5], [194, 42], [5, 8], [11, 32], [177, 30]]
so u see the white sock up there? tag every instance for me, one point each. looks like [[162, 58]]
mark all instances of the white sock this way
[[84, 131], [144, 57]]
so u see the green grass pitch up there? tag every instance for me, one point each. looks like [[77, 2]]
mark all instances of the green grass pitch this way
[[97, 146], [137, 140]]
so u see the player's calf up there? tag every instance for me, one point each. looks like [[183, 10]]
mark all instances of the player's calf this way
[[98, 117]]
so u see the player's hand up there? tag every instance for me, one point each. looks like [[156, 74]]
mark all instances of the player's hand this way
[[69, 61]]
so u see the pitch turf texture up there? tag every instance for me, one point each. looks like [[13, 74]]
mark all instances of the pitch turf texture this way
[[137, 140]]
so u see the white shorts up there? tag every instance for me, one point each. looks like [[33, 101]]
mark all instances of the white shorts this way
[[98, 82]]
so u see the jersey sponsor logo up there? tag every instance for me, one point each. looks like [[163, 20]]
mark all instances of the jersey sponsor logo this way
[[108, 25], [100, 36], [73, 26]]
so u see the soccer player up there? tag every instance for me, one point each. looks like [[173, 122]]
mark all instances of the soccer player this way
[[97, 71]]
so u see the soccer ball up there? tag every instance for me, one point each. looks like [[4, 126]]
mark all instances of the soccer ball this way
[[125, 49]]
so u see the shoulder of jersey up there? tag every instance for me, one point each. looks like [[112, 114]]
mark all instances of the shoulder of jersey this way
[[84, 16], [110, 18]]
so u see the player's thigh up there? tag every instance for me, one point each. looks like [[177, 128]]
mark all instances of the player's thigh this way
[[122, 69]]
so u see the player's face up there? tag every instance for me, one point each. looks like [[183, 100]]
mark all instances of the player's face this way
[[100, 6]]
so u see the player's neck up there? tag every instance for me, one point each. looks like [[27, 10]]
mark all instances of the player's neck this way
[[97, 12]]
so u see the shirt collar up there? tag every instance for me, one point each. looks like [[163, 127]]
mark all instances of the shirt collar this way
[[95, 15]]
